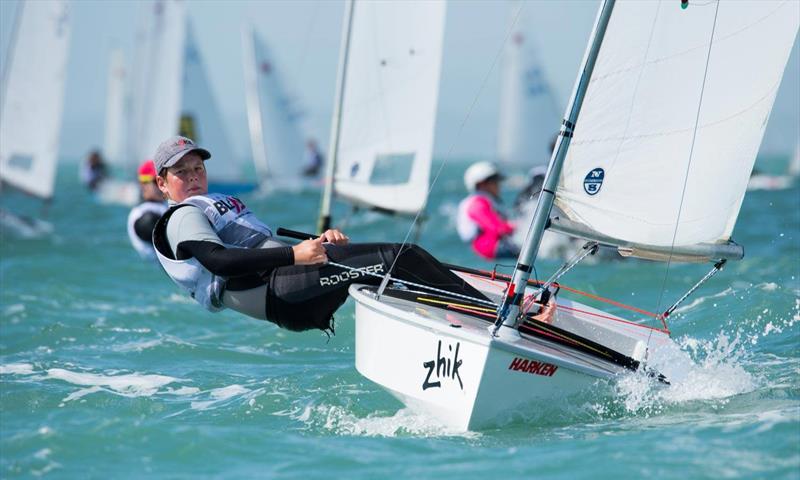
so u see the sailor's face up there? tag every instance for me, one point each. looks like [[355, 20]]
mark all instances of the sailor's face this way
[[185, 179]]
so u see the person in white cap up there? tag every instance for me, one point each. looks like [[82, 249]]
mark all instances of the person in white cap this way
[[480, 221], [213, 247]]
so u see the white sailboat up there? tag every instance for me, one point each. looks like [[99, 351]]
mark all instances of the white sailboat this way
[[112, 190], [653, 157], [766, 181], [31, 104], [383, 128], [276, 138], [171, 94], [528, 117]]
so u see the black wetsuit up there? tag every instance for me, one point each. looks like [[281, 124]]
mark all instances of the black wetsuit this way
[[303, 297]]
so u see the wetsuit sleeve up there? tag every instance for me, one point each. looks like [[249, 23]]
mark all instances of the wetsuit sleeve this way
[[189, 223], [144, 225], [235, 262], [190, 235], [488, 220]]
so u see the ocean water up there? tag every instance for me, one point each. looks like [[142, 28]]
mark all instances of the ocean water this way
[[106, 370]]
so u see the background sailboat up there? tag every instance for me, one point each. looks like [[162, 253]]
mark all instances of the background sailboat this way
[[669, 100], [528, 109], [31, 104], [766, 181], [382, 138], [276, 138], [170, 95], [119, 188]]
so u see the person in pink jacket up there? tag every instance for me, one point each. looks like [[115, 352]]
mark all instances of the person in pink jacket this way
[[480, 221]]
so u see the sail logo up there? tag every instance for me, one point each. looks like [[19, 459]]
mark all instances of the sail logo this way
[[593, 181], [444, 367]]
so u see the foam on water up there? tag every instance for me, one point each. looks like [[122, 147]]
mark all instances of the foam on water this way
[[713, 369], [404, 423], [220, 395], [16, 369]]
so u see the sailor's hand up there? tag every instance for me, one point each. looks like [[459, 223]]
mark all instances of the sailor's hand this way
[[546, 312], [335, 237], [310, 252]]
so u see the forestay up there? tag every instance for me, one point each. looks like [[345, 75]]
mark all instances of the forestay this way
[[389, 104], [31, 100], [275, 134], [673, 119]]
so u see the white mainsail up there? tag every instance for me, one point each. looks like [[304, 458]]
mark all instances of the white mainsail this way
[[157, 91], [32, 99], [275, 135], [389, 104], [116, 111], [200, 118], [528, 120], [673, 118]]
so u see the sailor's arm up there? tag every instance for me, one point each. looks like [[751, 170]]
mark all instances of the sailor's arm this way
[[190, 235]]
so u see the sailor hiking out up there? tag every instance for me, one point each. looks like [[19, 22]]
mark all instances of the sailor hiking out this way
[[214, 248]]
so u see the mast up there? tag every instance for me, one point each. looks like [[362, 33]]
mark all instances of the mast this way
[[324, 219], [510, 308]]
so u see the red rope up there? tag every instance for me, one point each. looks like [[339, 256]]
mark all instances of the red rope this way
[[494, 275]]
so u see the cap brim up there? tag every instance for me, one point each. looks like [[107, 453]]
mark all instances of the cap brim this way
[[204, 154]]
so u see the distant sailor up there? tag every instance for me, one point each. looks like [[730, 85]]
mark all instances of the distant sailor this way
[[143, 217], [93, 170], [314, 159], [480, 220], [213, 247]]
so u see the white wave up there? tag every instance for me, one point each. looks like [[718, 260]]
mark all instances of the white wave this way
[[768, 286], [219, 395], [129, 385], [16, 369], [176, 298], [700, 300], [707, 370], [138, 346], [14, 309], [405, 422]]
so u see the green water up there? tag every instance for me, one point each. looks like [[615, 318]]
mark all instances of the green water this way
[[107, 371]]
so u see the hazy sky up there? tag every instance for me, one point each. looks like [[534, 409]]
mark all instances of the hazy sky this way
[[304, 36]]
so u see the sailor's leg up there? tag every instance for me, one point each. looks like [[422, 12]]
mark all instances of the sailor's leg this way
[[305, 297]]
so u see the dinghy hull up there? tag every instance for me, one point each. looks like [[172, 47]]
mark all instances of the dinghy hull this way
[[448, 366]]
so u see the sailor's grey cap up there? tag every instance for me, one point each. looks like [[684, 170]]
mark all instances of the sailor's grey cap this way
[[173, 149]]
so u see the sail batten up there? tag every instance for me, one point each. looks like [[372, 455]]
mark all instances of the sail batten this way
[[673, 119]]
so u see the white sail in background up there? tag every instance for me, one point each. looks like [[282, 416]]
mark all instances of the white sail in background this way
[[673, 118], [529, 119], [157, 91], [200, 118], [116, 111], [275, 134], [33, 97], [794, 163], [389, 105]]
